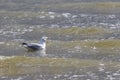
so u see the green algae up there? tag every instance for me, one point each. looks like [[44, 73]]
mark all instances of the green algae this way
[[101, 7], [108, 43], [73, 32], [22, 14], [94, 47], [27, 65], [112, 43], [108, 4], [78, 31]]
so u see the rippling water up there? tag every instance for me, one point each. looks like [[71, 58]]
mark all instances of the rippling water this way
[[95, 47]]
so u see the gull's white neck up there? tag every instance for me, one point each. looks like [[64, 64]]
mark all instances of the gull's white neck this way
[[43, 45]]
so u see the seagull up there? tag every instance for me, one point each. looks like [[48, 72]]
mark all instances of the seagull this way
[[36, 46]]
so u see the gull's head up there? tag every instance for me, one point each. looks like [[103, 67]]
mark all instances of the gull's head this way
[[43, 39]]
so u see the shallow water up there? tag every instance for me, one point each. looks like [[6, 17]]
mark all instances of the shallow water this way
[[80, 46]]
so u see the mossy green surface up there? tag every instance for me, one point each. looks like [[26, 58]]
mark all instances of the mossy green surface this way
[[21, 14], [73, 32], [88, 43], [104, 43], [79, 31], [27, 65], [101, 7]]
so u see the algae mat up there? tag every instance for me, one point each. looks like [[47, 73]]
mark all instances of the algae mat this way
[[28, 65]]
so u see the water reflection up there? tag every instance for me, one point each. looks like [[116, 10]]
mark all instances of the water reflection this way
[[39, 53]]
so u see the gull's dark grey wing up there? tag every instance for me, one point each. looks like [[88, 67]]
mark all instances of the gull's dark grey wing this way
[[34, 47]]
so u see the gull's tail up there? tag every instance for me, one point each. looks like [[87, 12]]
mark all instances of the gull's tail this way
[[24, 44]]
